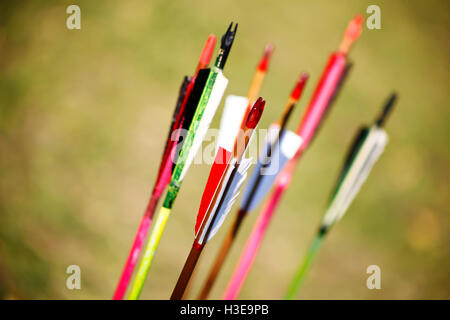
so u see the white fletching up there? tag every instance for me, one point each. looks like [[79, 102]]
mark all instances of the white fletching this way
[[232, 195], [232, 117], [214, 100], [368, 154], [220, 195], [290, 143]]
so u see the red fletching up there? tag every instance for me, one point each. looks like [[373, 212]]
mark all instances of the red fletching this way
[[218, 170], [298, 89], [255, 113], [264, 63]]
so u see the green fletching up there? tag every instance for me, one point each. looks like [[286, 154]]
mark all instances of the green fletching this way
[[175, 182]]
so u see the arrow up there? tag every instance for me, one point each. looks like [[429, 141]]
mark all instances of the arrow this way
[[366, 148]]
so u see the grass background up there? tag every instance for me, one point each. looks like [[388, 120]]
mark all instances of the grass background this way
[[83, 114]]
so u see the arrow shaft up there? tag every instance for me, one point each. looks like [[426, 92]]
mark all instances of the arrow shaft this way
[[304, 267], [187, 271], [251, 248], [255, 87], [221, 256], [162, 180], [194, 254], [133, 256], [149, 253]]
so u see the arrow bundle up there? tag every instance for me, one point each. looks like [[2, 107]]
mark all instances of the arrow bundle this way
[[182, 117], [198, 99], [280, 147], [211, 95], [323, 96]]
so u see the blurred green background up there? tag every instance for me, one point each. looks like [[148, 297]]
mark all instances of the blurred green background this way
[[84, 113]]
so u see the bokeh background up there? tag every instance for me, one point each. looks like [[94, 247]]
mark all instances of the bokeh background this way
[[84, 113]]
